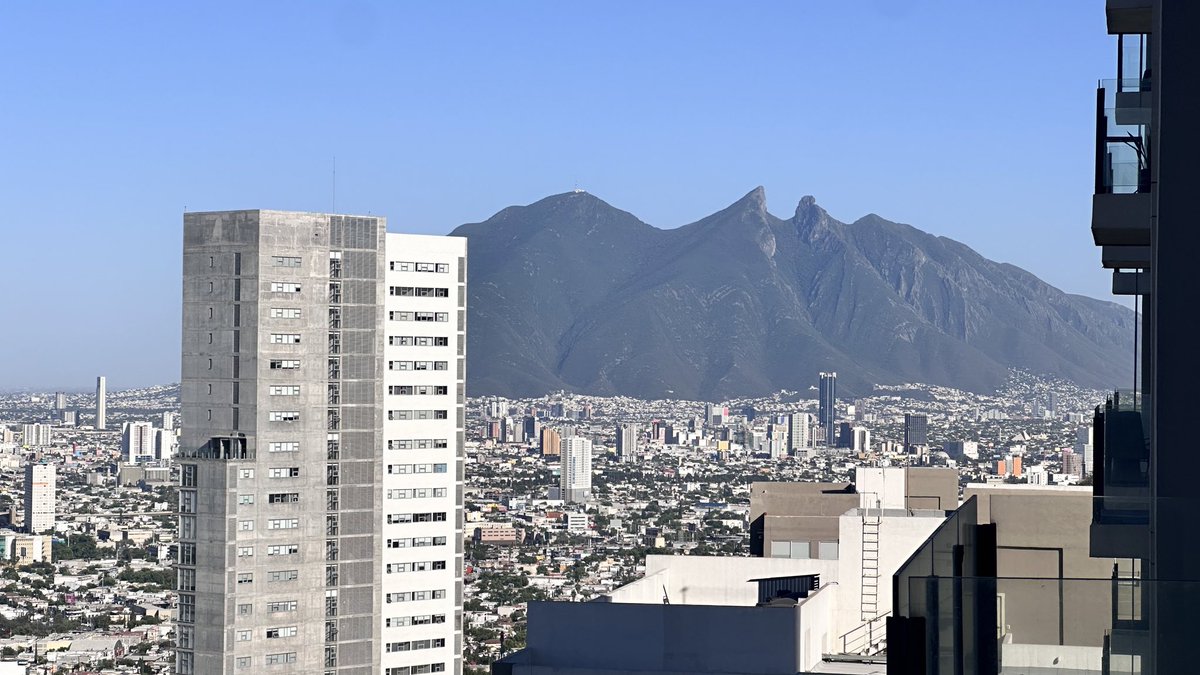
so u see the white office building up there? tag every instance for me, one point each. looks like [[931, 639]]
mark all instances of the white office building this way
[[137, 442], [40, 486], [425, 354], [36, 435], [575, 479]]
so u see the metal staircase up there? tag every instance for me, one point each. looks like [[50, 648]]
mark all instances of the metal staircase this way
[[871, 520]]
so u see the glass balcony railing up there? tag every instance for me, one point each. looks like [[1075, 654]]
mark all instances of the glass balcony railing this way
[[976, 625], [1123, 137]]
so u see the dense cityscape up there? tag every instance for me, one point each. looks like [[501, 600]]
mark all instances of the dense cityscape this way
[[99, 592]]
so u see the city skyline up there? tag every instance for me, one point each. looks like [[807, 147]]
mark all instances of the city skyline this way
[[489, 139]]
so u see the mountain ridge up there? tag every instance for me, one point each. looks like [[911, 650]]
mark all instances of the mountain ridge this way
[[570, 292]]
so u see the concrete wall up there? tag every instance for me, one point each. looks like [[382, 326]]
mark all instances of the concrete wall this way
[[931, 488], [796, 512], [1042, 533]]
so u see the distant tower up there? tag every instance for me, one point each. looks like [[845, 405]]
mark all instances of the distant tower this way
[[39, 497], [60, 401], [916, 430], [827, 405], [798, 431], [627, 442], [100, 402], [575, 479], [137, 442]]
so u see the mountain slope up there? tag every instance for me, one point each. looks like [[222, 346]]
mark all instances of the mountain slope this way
[[572, 293]]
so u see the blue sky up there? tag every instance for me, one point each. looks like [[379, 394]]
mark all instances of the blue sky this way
[[971, 120]]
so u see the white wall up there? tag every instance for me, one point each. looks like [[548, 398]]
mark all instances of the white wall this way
[[714, 580], [881, 486]]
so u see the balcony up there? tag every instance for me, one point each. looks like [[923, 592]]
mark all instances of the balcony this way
[[1129, 16], [1121, 480], [1122, 204]]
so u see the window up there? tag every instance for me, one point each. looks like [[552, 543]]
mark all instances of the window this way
[[187, 527], [419, 316], [416, 542], [283, 549], [245, 552], [442, 268], [245, 610], [285, 338], [418, 443], [416, 468], [285, 364], [245, 473], [416, 670], [284, 390], [187, 607], [283, 575], [187, 501], [418, 365], [416, 493], [284, 606], [283, 472], [283, 497], [283, 415], [285, 632], [285, 312], [243, 662], [243, 636], [245, 578], [187, 554], [418, 292], [284, 287], [283, 524], [281, 659], [245, 499], [426, 566], [284, 446], [418, 390], [434, 517], [185, 579], [285, 261]]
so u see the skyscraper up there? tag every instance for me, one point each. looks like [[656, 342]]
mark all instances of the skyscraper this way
[[827, 405], [60, 401], [627, 442], [916, 430], [550, 442], [798, 431], [36, 435], [101, 403], [575, 479], [137, 442], [40, 486], [322, 393]]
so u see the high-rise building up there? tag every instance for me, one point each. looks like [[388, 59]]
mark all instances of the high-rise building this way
[[550, 443], [166, 442], [168, 420], [627, 442], [575, 479], [799, 436], [36, 435], [101, 403], [862, 439], [321, 446], [845, 435], [916, 431], [827, 405], [60, 401], [1083, 446], [137, 442], [40, 488]]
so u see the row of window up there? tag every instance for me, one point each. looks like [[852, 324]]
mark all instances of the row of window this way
[[419, 267], [418, 341], [285, 338], [285, 261], [429, 517], [285, 312], [285, 364], [284, 446], [414, 645], [281, 606], [418, 292], [283, 549], [272, 577], [418, 365], [271, 633], [416, 670], [419, 316], [284, 390], [414, 596], [400, 415], [283, 415], [418, 620], [416, 542], [424, 566], [418, 390], [418, 444], [416, 468], [416, 493], [284, 287]]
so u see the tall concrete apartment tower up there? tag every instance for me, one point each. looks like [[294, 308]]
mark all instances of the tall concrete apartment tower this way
[[827, 406], [286, 512], [101, 403], [40, 490], [575, 477]]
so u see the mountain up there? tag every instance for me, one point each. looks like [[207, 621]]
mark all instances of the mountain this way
[[572, 293]]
